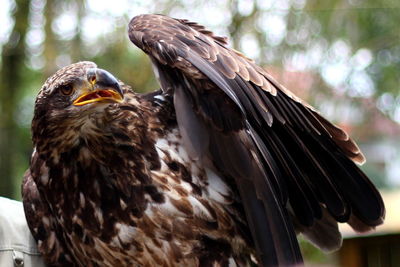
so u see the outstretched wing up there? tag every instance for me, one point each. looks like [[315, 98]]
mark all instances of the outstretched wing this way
[[287, 162]]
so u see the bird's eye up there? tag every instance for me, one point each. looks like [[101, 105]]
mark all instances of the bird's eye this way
[[66, 89]]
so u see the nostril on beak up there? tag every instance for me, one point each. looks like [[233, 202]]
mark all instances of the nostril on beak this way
[[91, 75], [102, 79]]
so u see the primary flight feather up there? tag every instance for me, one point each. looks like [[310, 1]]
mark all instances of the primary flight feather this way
[[221, 166]]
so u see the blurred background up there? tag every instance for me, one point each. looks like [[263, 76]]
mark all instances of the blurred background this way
[[342, 56]]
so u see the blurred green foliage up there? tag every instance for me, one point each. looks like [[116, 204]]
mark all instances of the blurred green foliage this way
[[315, 256]]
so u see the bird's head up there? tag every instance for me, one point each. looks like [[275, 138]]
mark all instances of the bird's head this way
[[73, 98]]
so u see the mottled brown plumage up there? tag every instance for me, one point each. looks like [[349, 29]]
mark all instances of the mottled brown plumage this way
[[221, 166]]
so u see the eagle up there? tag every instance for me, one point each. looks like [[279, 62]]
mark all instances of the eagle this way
[[221, 166]]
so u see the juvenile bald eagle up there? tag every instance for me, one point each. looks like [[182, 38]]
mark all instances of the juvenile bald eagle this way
[[222, 166]]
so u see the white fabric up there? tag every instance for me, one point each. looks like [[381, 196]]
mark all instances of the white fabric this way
[[17, 246]]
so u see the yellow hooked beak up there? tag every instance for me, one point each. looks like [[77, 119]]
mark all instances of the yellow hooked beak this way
[[103, 86]]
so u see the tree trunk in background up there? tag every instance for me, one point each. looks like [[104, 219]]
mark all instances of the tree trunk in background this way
[[13, 57], [244, 24], [76, 42], [50, 51]]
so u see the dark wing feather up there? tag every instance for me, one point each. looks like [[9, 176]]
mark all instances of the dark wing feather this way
[[285, 159], [40, 220]]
